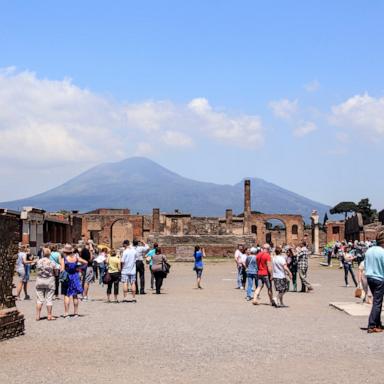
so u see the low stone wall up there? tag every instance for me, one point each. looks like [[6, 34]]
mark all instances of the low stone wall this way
[[11, 320], [182, 247]]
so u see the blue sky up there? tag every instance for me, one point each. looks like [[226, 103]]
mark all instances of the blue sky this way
[[215, 90]]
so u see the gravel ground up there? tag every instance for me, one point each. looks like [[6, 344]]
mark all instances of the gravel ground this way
[[192, 336]]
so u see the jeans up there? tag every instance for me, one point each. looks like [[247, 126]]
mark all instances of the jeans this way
[[251, 277], [140, 271], [101, 269], [377, 289], [241, 276], [348, 268]]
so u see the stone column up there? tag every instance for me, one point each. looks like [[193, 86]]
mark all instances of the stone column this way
[[156, 220], [229, 220], [247, 206], [315, 232]]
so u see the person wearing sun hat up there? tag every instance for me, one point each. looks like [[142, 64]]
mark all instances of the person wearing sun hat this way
[[71, 287], [374, 270]]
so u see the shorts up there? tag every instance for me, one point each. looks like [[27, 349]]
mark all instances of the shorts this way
[[44, 295], [24, 277], [281, 285], [89, 276], [261, 280], [199, 272], [125, 278]]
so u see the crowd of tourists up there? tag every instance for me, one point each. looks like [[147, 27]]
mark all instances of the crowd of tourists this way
[[71, 271], [74, 269], [259, 267]]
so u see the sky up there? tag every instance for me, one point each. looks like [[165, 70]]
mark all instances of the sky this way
[[288, 91]]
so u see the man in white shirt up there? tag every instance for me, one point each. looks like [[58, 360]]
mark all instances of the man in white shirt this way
[[239, 257], [141, 250], [128, 270]]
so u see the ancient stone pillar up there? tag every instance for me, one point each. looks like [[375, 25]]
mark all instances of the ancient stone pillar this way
[[315, 232], [228, 220], [156, 220], [247, 206]]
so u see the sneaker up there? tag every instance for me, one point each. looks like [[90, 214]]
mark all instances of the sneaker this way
[[248, 298], [274, 303], [75, 316], [134, 301], [27, 297], [375, 330], [85, 298]]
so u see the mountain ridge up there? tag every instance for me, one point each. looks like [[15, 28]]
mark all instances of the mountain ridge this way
[[141, 184]]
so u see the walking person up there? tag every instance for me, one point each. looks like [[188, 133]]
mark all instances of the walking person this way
[[264, 273], [157, 267], [21, 264], [302, 264], [128, 270], [292, 265], [251, 268], [87, 270], [45, 284], [239, 255], [363, 284], [280, 270], [374, 270], [198, 267], [71, 287], [55, 258], [148, 258], [141, 249], [114, 269], [347, 264]]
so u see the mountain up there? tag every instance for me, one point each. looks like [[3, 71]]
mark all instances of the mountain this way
[[141, 184]]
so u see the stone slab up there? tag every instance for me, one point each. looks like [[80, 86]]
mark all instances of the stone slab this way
[[352, 309]]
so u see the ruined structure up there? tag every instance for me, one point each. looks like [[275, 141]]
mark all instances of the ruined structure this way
[[11, 320], [179, 232]]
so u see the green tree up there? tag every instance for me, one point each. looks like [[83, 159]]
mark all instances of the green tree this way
[[344, 207], [365, 208]]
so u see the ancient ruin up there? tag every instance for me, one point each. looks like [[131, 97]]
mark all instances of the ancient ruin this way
[[11, 320]]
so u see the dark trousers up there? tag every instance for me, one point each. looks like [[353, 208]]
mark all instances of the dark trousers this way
[[159, 276], [348, 268], [294, 277], [57, 285], [152, 278], [115, 279], [377, 289], [140, 271]]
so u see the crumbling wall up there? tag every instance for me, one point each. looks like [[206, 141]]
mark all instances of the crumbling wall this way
[[11, 321]]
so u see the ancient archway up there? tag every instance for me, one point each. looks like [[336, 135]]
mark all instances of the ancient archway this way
[[275, 232], [120, 230]]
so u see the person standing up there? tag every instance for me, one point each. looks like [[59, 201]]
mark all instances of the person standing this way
[[157, 267], [280, 269], [141, 249], [264, 273], [292, 265], [374, 270], [347, 263], [128, 270], [114, 268], [302, 264], [251, 268], [55, 258], [45, 284], [148, 257], [198, 267], [87, 270], [21, 270], [239, 254], [71, 287], [100, 261]]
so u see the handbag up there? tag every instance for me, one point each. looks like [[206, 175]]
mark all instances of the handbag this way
[[107, 277], [165, 267], [63, 277]]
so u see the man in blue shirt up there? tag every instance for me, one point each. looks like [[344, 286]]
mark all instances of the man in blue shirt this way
[[374, 270]]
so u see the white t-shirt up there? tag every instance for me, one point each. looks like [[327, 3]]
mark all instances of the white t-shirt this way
[[278, 263], [129, 261], [238, 256]]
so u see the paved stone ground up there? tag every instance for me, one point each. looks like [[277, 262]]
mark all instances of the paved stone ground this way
[[209, 336]]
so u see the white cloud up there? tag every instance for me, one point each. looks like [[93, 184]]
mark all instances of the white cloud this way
[[48, 122], [312, 86], [362, 113], [284, 109], [304, 129]]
